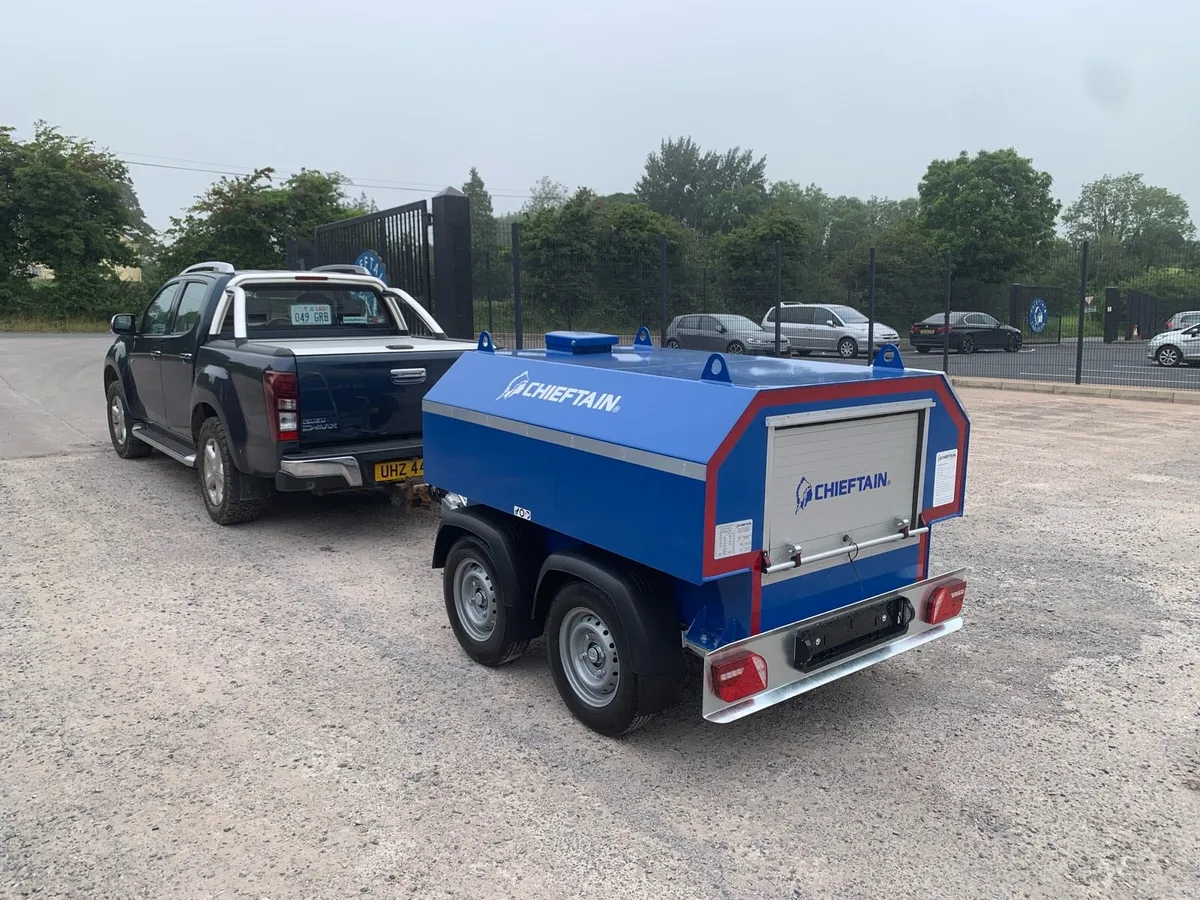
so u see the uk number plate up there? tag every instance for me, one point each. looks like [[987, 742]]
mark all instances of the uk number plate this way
[[400, 470], [926, 331]]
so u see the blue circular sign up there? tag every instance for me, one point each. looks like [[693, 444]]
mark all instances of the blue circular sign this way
[[370, 261], [1039, 315]]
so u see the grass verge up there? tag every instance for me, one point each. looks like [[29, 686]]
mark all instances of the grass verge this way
[[53, 326]]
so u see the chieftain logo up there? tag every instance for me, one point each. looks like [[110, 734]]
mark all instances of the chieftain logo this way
[[807, 493], [804, 494], [521, 386]]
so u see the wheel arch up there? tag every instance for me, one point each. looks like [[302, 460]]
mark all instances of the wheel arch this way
[[647, 616], [509, 545]]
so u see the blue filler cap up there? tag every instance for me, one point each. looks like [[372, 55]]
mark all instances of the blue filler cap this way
[[578, 342]]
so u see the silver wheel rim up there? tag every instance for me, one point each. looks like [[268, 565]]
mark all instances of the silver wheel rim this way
[[735, 348], [214, 472], [589, 657], [847, 349], [116, 415], [968, 345], [475, 600], [1167, 356], [673, 344]]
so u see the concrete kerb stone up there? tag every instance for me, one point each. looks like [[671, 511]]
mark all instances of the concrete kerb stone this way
[[1081, 390]]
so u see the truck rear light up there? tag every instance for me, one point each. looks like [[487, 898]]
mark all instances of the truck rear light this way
[[282, 390], [945, 602], [739, 676]]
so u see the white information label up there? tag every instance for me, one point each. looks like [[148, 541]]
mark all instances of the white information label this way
[[312, 314], [733, 538], [945, 477]]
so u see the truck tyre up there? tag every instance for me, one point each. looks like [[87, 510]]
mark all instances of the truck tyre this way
[[228, 494], [488, 629], [587, 650], [119, 426]]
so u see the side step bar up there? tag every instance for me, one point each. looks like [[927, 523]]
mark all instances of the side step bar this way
[[177, 450]]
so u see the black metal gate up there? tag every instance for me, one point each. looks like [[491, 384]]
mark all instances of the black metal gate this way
[[398, 238]]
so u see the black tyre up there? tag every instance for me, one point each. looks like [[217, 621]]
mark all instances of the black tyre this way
[[672, 343], [120, 428], [967, 344], [1013, 344], [736, 348], [489, 631], [588, 660], [847, 348], [229, 496], [922, 349], [1168, 355]]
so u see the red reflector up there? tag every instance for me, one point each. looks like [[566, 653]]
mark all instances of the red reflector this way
[[945, 602], [739, 676], [282, 391]]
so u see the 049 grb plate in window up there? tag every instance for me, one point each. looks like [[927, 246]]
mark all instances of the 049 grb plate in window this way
[[312, 314]]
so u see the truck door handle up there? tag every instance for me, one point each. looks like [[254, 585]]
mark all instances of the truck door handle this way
[[187, 357], [408, 376]]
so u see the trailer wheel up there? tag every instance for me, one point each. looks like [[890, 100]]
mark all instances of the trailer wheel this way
[[588, 650], [487, 629]]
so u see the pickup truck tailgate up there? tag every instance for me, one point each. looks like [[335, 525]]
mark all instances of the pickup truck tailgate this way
[[359, 390], [368, 396]]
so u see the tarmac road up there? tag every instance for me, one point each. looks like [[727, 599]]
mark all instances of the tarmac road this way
[[280, 710]]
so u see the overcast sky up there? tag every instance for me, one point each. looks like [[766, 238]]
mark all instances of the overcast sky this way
[[856, 96]]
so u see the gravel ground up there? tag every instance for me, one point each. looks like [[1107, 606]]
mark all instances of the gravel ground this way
[[280, 710]]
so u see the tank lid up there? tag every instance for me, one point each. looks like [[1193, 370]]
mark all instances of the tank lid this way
[[577, 342]]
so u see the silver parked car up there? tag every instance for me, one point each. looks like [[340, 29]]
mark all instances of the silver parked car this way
[[724, 333], [827, 328]]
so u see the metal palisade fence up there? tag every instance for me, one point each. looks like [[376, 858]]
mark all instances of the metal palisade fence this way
[[1085, 313]]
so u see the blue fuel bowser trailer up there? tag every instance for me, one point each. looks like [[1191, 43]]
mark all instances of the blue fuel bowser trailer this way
[[771, 516]]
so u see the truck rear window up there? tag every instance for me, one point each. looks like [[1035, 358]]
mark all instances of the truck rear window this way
[[314, 310]]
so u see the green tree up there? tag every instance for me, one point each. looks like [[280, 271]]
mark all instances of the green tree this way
[[909, 273], [64, 204], [247, 220], [746, 262], [1124, 207], [546, 194], [992, 211], [483, 222], [687, 184]]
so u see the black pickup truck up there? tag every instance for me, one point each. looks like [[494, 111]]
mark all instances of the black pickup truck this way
[[276, 381]]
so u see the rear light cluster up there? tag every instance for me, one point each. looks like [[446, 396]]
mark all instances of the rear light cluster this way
[[739, 676], [282, 391], [945, 602]]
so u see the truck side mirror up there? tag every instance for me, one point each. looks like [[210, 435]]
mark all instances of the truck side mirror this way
[[123, 324]]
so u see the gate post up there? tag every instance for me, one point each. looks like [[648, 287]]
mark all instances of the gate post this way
[[453, 302], [1112, 313]]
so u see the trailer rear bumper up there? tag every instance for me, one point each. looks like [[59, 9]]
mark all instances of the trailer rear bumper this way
[[788, 676]]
